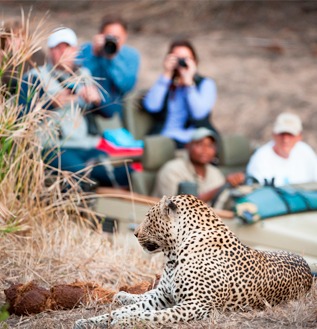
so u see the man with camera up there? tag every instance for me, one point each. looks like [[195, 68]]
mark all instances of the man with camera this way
[[112, 63], [69, 93], [180, 100]]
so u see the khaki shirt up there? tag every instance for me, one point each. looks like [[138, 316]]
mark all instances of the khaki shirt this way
[[180, 170]]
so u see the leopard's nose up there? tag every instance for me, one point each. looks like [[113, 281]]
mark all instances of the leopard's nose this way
[[136, 232]]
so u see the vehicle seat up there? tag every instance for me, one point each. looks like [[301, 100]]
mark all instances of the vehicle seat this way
[[234, 153], [157, 151], [135, 119], [114, 122]]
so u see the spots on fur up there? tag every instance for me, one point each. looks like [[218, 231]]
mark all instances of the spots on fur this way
[[207, 268]]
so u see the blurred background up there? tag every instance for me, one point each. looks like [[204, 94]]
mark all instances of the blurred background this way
[[262, 54]]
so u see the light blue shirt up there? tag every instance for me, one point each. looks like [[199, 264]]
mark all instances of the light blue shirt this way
[[193, 101]]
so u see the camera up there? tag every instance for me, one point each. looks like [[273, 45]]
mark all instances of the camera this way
[[182, 62], [111, 45], [187, 188]]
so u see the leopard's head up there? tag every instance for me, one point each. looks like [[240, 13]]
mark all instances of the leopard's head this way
[[157, 231], [174, 217]]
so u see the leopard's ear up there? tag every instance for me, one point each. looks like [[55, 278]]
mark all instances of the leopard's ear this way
[[168, 207]]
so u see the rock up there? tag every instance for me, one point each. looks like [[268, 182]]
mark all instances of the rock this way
[[139, 288], [11, 296], [66, 296], [29, 298], [95, 292], [26, 299], [102, 295]]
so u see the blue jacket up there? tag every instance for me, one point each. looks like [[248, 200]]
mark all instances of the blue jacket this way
[[116, 76]]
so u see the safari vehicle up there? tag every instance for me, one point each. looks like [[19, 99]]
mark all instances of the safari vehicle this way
[[124, 210], [293, 232]]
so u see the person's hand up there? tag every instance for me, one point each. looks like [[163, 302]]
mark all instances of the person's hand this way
[[62, 98], [169, 65], [235, 179], [90, 94], [15, 43], [187, 73], [98, 43]]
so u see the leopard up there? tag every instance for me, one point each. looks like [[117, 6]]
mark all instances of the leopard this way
[[207, 269]]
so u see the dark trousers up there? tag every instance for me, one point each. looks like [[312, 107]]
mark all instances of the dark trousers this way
[[76, 160]]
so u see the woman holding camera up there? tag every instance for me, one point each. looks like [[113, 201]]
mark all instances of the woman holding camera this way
[[180, 100]]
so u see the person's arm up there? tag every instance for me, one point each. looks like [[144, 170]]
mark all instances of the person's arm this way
[[314, 165], [209, 195], [34, 93], [255, 168], [167, 181], [89, 97], [201, 99], [123, 69], [122, 74], [235, 178], [154, 99], [30, 88], [311, 161], [232, 180]]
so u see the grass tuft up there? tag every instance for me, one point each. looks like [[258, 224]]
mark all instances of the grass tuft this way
[[48, 230]]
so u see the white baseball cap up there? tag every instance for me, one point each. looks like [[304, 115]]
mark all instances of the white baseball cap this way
[[201, 133], [62, 35], [288, 123]]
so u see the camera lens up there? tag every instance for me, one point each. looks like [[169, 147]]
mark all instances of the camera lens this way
[[182, 62], [110, 47]]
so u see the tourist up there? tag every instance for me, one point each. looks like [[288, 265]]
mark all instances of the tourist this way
[[286, 159], [181, 100]]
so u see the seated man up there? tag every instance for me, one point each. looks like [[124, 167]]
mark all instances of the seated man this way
[[112, 63], [195, 167], [286, 159], [68, 92]]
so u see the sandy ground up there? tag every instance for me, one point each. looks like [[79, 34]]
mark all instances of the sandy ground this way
[[262, 55]]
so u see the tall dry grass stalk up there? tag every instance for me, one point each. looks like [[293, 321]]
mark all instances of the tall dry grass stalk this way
[[46, 229], [25, 196]]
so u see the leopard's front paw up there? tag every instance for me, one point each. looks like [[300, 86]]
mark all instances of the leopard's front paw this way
[[85, 324], [123, 298], [80, 324]]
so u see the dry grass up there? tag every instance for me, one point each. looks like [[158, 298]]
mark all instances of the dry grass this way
[[296, 314], [45, 234], [48, 232], [67, 252]]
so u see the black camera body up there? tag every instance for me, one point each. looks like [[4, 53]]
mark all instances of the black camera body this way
[[181, 62], [111, 45]]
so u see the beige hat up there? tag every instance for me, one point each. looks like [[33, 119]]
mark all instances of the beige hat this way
[[201, 133], [288, 123], [62, 35]]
